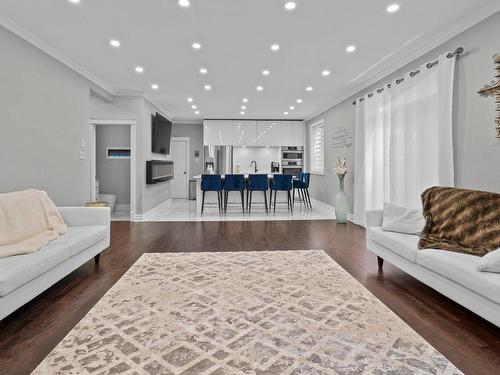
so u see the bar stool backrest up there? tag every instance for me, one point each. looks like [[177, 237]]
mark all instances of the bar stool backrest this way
[[282, 182], [211, 182], [258, 182], [234, 182]]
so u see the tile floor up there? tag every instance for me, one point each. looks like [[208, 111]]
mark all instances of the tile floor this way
[[185, 210]]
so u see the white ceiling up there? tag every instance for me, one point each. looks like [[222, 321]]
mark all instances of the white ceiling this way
[[235, 37]]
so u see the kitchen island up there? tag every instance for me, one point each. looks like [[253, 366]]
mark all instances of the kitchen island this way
[[234, 197]]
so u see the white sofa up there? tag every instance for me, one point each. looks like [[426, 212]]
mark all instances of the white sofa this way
[[23, 277], [452, 274]]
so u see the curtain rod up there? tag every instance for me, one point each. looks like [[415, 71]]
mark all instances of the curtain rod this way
[[457, 52]]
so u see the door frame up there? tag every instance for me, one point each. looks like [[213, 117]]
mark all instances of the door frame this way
[[188, 163], [93, 122]]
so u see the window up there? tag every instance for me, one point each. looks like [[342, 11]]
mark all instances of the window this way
[[317, 147]]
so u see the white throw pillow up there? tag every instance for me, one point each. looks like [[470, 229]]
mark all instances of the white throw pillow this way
[[399, 219], [490, 262]]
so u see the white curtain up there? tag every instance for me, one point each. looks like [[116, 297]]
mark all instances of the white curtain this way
[[403, 140]]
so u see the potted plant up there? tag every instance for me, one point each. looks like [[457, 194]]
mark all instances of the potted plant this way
[[340, 199]]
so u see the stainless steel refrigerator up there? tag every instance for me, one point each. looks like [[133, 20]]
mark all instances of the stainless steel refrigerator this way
[[218, 159]]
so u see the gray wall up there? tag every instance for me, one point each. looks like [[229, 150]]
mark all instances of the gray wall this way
[[476, 150], [113, 174], [44, 109], [195, 134], [139, 109]]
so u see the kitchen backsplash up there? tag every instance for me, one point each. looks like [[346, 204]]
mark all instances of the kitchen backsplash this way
[[243, 156]]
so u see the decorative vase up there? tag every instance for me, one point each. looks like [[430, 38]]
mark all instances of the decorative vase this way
[[341, 202]]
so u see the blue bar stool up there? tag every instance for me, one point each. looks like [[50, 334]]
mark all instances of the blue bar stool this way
[[234, 182], [211, 182], [282, 182], [257, 182], [302, 185]]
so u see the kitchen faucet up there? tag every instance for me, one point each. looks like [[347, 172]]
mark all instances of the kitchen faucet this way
[[253, 161]]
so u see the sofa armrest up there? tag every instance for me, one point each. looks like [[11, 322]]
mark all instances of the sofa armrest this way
[[374, 218], [83, 216]]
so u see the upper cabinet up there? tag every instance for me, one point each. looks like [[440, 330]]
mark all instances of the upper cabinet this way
[[298, 133], [244, 133], [225, 132], [218, 132], [210, 133], [253, 133]]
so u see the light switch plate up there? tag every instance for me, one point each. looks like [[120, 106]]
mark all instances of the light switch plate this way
[[83, 143], [83, 155]]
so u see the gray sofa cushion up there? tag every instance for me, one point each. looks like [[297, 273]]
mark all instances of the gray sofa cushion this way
[[404, 245], [462, 269], [80, 238], [16, 271]]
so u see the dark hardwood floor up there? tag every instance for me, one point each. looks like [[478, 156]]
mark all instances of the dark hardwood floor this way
[[30, 333]]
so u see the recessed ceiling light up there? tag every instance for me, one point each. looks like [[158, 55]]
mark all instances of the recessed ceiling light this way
[[292, 107], [189, 100], [115, 43], [196, 112], [208, 87], [242, 113], [203, 71], [196, 45], [245, 100], [393, 8], [290, 5], [351, 49], [309, 88], [154, 86], [260, 88], [184, 3], [243, 107], [285, 113], [266, 72], [275, 47], [299, 101], [74, 1], [139, 69], [193, 106], [325, 73]]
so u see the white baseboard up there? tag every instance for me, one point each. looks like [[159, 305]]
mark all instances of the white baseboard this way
[[146, 215]]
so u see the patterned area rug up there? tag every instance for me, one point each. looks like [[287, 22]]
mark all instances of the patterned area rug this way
[[241, 313]]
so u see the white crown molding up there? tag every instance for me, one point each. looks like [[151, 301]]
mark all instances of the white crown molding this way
[[162, 111], [31, 38], [103, 90], [409, 54]]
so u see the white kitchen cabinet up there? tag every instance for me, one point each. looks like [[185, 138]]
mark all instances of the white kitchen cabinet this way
[[210, 133], [264, 133], [218, 133], [252, 133], [298, 133], [225, 132], [284, 134], [244, 133]]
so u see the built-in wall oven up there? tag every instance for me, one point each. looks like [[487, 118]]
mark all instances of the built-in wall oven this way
[[292, 167], [292, 159], [292, 153]]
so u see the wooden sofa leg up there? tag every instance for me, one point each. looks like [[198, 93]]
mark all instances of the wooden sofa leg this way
[[97, 258], [380, 262]]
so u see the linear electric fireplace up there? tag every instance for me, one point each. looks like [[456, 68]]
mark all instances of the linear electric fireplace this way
[[159, 171]]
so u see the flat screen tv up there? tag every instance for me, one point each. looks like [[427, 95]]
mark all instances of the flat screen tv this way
[[161, 132]]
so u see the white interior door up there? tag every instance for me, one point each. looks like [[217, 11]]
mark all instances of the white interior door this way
[[179, 152]]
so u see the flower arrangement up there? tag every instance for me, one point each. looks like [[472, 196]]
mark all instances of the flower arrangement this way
[[340, 167]]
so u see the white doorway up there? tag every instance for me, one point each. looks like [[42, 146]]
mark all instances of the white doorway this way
[[179, 151], [131, 124]]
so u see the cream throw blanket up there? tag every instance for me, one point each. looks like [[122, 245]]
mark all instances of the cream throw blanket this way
[[28, 220]]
